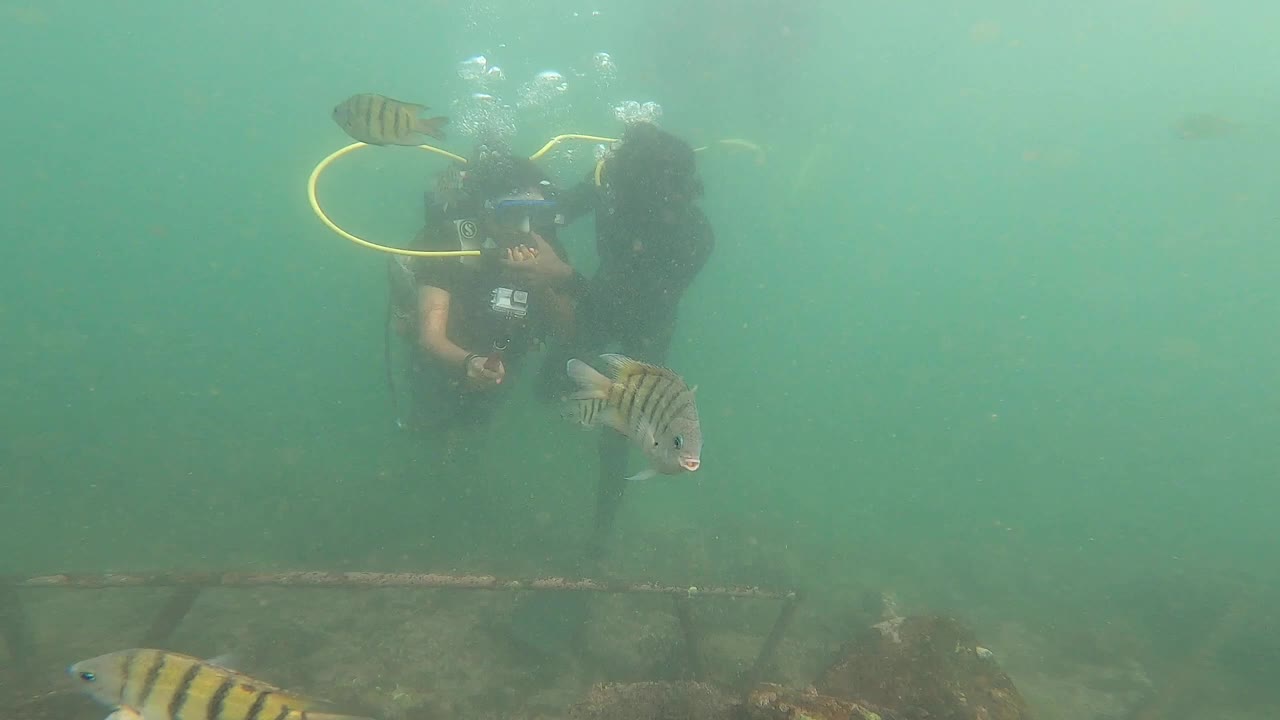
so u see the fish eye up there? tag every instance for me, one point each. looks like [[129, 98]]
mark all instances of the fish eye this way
[[88, 676], [679, 441]]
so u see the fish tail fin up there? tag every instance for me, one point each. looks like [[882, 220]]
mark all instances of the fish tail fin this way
[[332, 716], [588, 406], [433, 126], [591, 384]]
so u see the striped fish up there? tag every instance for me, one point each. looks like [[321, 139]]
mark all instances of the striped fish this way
[[651, 405], [157, 685], [379, 120]]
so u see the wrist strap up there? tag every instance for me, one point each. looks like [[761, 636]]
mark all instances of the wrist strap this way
[[466, 362]]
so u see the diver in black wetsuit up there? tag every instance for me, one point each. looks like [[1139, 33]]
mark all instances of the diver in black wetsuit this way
[[472, 320], [652, 240]]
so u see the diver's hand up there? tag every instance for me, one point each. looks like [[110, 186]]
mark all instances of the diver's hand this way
[[537, 263], [481, 377]]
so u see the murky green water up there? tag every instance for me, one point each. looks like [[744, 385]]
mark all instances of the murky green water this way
[[981, 327]]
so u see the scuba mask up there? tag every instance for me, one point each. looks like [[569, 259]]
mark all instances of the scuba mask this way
[[521, 215]]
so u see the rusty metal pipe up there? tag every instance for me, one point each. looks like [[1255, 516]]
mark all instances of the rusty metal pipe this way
[[359, 580]]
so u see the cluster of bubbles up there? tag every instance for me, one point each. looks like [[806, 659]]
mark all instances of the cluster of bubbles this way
[[482, 114], [485, 112], [606, 71], [545, 90], [631, 111], [478, 70]]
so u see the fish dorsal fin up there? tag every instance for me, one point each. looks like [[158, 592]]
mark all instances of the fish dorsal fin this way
[[226, 661], [296, 700], [620, 367], [615, 366]]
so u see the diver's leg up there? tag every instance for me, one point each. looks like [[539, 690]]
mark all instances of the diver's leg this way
[[421, 388], [611, 486], [552, 381]]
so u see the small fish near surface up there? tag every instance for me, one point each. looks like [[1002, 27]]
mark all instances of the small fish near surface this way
[[651, 405], [142, 684], [379, 120]]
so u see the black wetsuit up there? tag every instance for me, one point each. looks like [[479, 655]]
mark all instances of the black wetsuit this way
[[647, 261], [440, 393]]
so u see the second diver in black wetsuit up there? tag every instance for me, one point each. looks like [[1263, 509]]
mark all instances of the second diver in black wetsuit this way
[[652, 240]]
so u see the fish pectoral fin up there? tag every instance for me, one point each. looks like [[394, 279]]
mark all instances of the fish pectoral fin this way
[[125, 713], [642, 432], [614, 419], [642, 475]]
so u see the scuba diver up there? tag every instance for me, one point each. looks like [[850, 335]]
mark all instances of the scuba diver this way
[[472, 319], [652, 240]]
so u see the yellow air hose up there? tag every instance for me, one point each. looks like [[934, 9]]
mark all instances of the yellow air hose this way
[[324, 218], [325, 163]]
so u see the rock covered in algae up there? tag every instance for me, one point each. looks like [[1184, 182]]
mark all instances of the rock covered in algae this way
[[653, 701], [924, 667], [774, 702]]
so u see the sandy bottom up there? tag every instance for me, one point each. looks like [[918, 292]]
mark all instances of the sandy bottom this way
[[422, 654]]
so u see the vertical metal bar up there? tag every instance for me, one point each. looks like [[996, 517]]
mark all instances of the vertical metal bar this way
[[692, 646], [170, 616], [764, 660]]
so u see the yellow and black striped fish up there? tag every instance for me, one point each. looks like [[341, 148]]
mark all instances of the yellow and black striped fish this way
[[651, 405], [157, 685], [379, 120]]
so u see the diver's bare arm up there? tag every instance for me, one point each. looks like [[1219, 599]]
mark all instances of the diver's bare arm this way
[[433, 333]]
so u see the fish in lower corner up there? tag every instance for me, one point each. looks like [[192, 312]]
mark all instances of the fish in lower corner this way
[[379, 120], [142, 684], [651, 405]]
